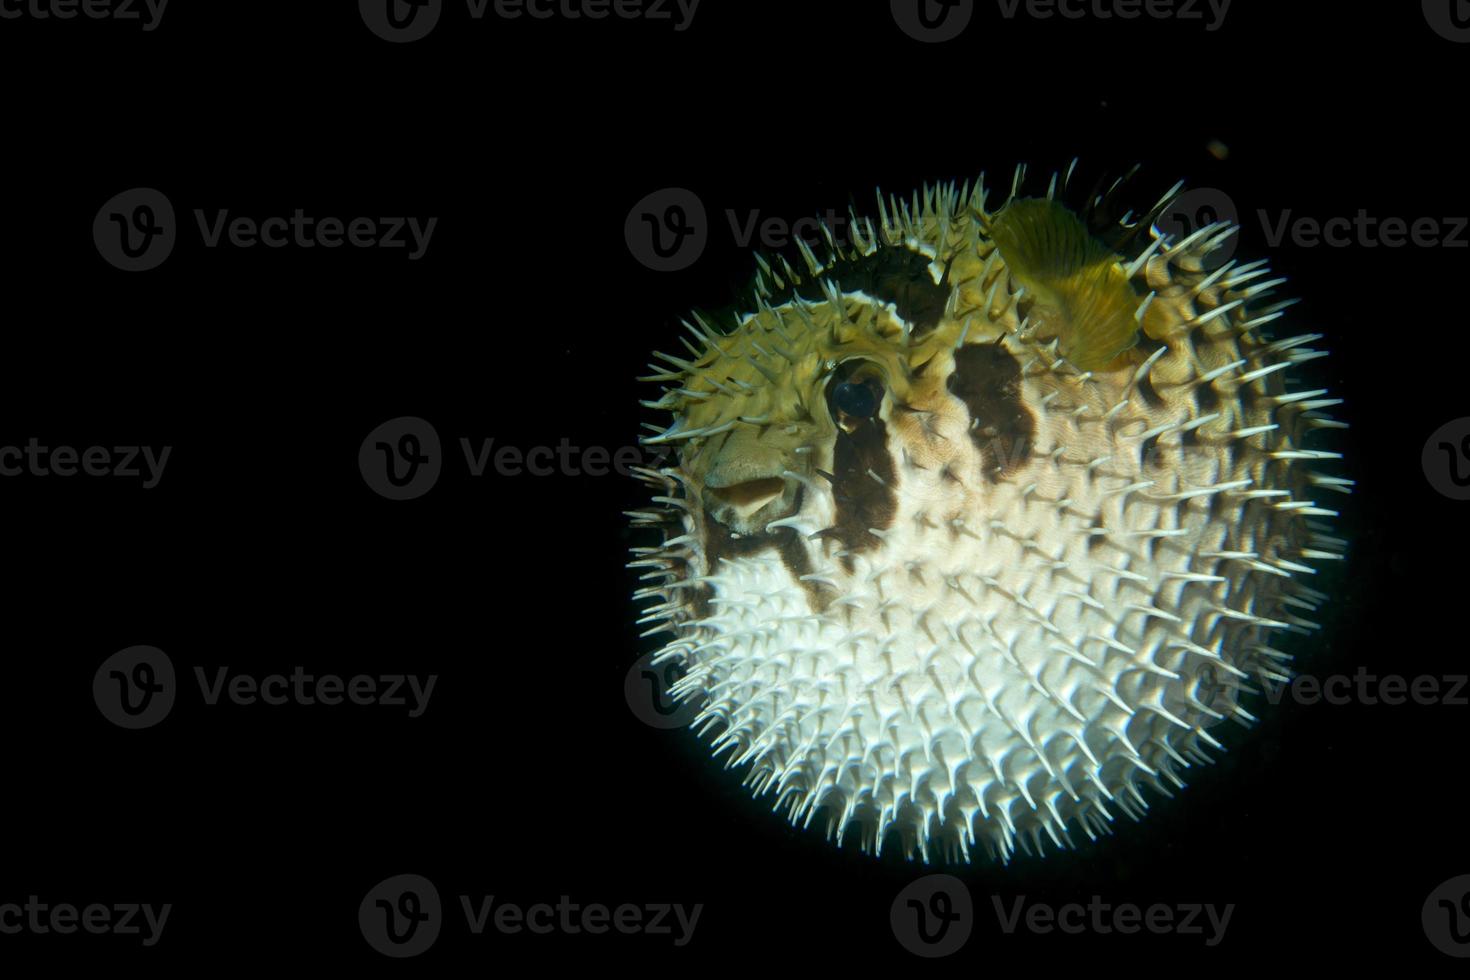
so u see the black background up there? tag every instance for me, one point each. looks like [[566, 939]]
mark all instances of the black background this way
[[529, 777]]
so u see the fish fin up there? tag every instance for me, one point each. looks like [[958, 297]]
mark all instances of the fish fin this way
[[1079, 279]]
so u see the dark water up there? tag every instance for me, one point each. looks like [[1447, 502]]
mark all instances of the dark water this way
[[527, 777]]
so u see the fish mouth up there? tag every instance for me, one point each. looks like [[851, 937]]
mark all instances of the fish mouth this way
[[750, 496], [749, 505]]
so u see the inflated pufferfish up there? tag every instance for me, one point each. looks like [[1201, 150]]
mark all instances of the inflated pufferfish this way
[[983, 522]]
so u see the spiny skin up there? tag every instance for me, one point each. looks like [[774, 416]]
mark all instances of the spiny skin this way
[[1020, 590]]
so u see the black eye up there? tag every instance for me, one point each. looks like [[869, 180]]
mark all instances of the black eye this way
[[857, 398]]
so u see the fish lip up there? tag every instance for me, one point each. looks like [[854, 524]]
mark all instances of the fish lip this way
[[733, 477], [750, 494], [747, 506]]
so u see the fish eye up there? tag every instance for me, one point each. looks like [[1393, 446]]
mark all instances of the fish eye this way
[[857, 398], [855, 393]]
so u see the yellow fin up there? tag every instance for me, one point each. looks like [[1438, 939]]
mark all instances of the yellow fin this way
[[1081, 289]]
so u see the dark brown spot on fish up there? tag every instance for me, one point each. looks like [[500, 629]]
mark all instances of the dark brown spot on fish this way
[[863, 477], [891, 274], [987, 378]]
